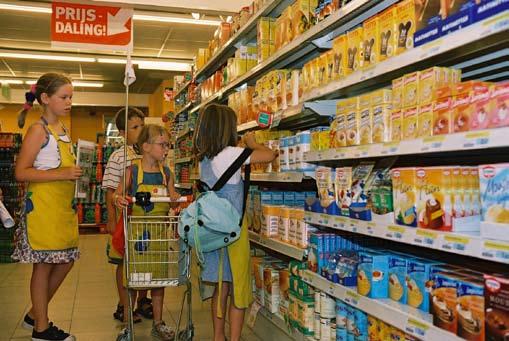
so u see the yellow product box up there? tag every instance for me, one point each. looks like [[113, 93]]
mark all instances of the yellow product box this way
[[301, 17], [265, 38], [315, 140], [272, 36], [381, 96], [381, 123], [371, 42], [429, 80], [410, 123], [406, 18], [330, 65], [352, 121], [404, 192], [397, 93], [365, 129], [410, 89], [314, 78], [425, 120], [240, 66], [455, 76], [365, 101], [324, 139], [287, 26], [322, 70], [281, 92], [340, 48], [442, 116], [431, 198], [304, 79], [279, 33], [338, 131], [354, 53], [387, 32], [203, 56]]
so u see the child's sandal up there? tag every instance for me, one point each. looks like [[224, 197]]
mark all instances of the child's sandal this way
[[145, 308]]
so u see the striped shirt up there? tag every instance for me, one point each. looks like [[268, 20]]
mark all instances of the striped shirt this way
[[115, 167]]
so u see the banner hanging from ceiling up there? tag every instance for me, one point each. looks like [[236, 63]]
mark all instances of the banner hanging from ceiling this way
[[82, 25]]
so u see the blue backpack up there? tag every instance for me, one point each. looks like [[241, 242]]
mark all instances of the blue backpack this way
[[210, 222]]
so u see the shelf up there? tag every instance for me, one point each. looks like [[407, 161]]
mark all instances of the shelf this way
[[406, 318], [433, 52], [182, 89], [473, 140], [458, 243], [281, 177], [278, 246], [184, 132], [184, 108], [184, 160], [242, 36], [247, 126], [264, 328], [184, 185]]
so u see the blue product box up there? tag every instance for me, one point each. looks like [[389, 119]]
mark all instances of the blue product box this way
[[397, 278], [289, 198], [300, 199], [372, 279], [266, 197], [490, 8], [418, 276], [341, 334], [359, 211], [350, 323], [361, 324], [341, 314], [277, 198], [458, 21], [427, 34], [316, 259]]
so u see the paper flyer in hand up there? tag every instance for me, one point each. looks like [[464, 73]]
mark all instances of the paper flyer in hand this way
[[84, 159]]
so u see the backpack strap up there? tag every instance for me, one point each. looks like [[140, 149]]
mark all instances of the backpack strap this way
[[234, 167]]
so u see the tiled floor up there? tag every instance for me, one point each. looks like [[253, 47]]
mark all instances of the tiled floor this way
[[85, 302]]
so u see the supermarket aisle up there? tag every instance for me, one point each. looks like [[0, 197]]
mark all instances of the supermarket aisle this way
[[85, 302]]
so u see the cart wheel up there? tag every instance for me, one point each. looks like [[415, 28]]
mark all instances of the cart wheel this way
[[125, 335]]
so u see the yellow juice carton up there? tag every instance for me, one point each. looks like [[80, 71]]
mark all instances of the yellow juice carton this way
[[371, 41], [405, 196], [355, 52], [429, 80], [365, 116], [397, 93], [410, 123], [352, 121], [396, 125], [431, 198], [381, 123], [410, 89], [301, 17], [425, 120], [340, 50], [405, 25], [387, 33]]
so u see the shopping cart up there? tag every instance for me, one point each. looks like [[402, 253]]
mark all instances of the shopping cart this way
[[155, 257]]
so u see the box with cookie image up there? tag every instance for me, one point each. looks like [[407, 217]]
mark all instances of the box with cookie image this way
[[372, 274], [470, 309], [444, 300], [496, 293], [397, 277], [418, 275]]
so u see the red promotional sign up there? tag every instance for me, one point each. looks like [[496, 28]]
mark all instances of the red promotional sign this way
[[83, 25]]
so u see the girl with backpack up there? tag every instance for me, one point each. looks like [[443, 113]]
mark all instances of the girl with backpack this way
[[215, 146]]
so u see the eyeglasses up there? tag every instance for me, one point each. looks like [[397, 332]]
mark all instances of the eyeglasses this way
[[164, 145]]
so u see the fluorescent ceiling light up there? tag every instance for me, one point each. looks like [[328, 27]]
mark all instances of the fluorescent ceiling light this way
[[78, 84], [175, 20], [10, 81], [112, 60], [47, 57], [24, 8], [150, 64], [196, 16]]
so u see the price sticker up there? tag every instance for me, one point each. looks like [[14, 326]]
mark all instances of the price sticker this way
[[341, 221], [426, 238], [324, 219], [455, 243], [352, 298], [416, 328], [476, 139], [330, 290], [395, 232], [432, 143], [370, 228], [367, 75], [496, 250], [390, 148], [431, 49], [362, 151]]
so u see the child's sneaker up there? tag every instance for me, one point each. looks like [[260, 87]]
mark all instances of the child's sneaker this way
[[162, 332], [52, 334], [28, 322]]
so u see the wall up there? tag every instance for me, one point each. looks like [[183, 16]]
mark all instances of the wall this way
[[156, 104], [9, 118]]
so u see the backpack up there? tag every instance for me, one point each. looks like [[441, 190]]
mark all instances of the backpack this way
[[210, 222]]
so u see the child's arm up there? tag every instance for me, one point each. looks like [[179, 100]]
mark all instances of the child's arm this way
[[261, 154], [174, 195], [112, 212], [31, 146], [118, 197]]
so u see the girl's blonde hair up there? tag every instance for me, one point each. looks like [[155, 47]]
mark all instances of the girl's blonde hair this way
[[48, 83], [149, 133], [216, 129]]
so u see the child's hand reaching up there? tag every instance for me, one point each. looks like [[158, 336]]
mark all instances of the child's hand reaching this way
[[174, 195], [120, 201]]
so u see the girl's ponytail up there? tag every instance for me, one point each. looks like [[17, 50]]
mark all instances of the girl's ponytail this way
[[30, 98]]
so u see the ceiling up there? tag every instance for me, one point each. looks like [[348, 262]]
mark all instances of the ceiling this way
[[30, 32]]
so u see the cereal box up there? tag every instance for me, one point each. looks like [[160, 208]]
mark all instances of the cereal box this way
[[410, 123], [442, 116], [371, 42], [355, 52], [425, 120], [372, 279], [405, 25], [397, 278], [397, 93], [387, 33], [496, 292], [396, 126], [418, 276], [340, 48], [381, 123], [404, 196], [429, 80], [499, 105], [410, 89], [470, 309]]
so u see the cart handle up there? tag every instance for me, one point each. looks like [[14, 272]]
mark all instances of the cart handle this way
[[143, 199]]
